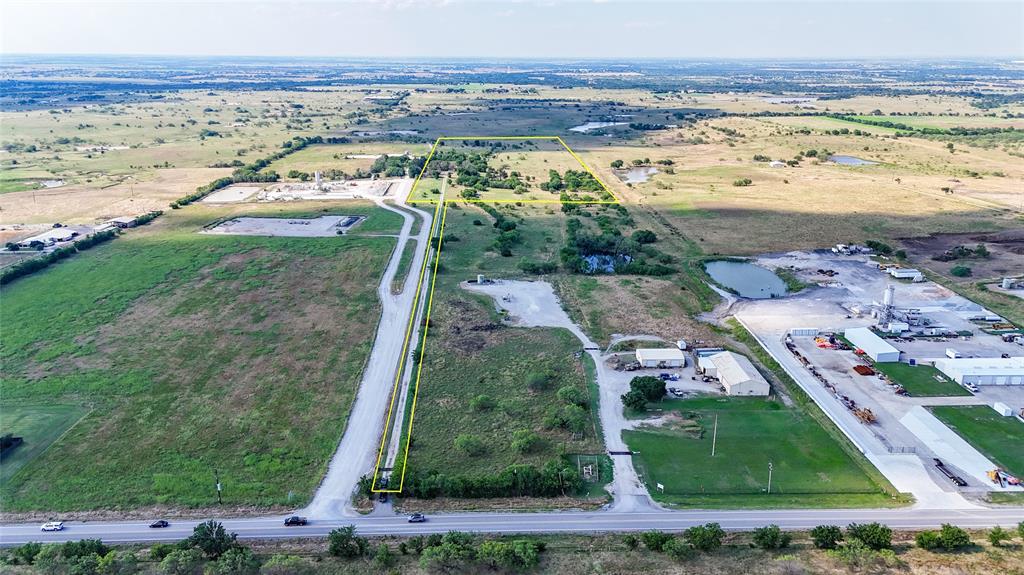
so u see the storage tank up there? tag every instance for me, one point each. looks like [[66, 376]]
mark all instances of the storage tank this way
[[1007, 283], [890, 295]]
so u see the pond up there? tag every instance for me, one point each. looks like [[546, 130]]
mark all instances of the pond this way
[[584, 128], [851, 161], [636, 175], [746, 279]]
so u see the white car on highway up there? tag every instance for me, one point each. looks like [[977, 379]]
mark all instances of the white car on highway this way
[[52, 526]]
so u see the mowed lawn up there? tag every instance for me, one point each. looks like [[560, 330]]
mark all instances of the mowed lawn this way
[[921, 380], [999, 438], [196, 354], [752, 433], [38, 426]]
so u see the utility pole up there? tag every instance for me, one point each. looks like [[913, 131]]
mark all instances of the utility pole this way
[[770, 466], [714, 436], [216, 474]]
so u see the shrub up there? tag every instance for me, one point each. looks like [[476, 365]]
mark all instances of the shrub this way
[[236, 561], [997, 536], [383, 558], [344, 542], [536, 381], [678, 549], [183, 562], [771, 537], [928, 540], [953, 537], [634, 400], [287, 565], [742, 182], [706, 537], [826, 536], [1020, 529], [482, 402], [655, 540], [644, 237], [160, 550], [573, 395], [26, 554], [526, 441], [520, 554], [880, 247], [631, 541], [875, 535], [452, 550], [961, 271], [471, 445]]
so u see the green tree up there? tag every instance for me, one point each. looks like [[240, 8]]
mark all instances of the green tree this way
[[707, 537], [574, 395], [928, 540], [344, 542], [519, 554], [183, 562], [771, 537], [454, 550], [826, 536], [26, 554], [384, 558], [644, 237], [634, 400], [617, 164], [874, 535], [526, 441], [652, 387], [482, 402], [631, 541], [212, 539], [997, 536], [678, 549]]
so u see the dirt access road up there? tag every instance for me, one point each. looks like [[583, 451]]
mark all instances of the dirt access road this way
[[357, 452], [534, 304]]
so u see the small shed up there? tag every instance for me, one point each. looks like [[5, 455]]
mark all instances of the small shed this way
[[123, 222], [666, 357]]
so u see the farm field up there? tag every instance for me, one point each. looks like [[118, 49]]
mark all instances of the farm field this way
[[192, 353], [998, 438], [810, 468], [921, 380]]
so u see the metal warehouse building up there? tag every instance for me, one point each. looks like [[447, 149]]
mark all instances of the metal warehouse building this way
[[668, 357], [737, 374], [984, 370], [873, 346]]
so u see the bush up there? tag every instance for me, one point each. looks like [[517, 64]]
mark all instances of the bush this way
[[160, 550], [183, 562], [573, 395], [520, 554], [526, 441], [1020, 529], [928, 540], [875, 535], [826, 536], [678, 549], [450, 552], [383, 558], [287, 565], [997, 536], [880, 247], [470, 445], [961, 271], [344, 542], [537, 268], [26, 554], [953, 537], [536, 381], [482, 402], [644, 237], [634, 400], [236, 561], [742, 182], [631, 541], [771, 537], [655, 540], [706, 537]]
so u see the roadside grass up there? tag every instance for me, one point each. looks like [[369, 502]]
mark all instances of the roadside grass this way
[[998, 438], [921, 380], [752, 432], [39, 426], [398, 283], [194, 353]]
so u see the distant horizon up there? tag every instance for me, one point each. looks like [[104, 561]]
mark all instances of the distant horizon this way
[[872, 30]]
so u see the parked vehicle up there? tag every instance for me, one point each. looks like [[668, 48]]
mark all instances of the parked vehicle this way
[[53, 526], [159, 523], [295, 520], [417, 518]]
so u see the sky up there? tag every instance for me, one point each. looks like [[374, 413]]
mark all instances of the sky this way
[[612, 29]]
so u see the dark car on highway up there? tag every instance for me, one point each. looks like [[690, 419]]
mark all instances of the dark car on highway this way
[[159, 523], [295, 520]]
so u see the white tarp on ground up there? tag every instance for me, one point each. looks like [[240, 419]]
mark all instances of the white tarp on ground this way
[[948, 446]]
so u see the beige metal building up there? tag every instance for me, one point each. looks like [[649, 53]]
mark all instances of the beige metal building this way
[[668, 357], [737, 375]]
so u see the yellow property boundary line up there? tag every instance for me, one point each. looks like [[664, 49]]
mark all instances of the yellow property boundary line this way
[[433, 280]]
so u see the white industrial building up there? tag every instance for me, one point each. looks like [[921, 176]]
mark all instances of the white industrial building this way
[[49, 237], [873, 346], [737, 375], [906, 274], [983, 370], [667, 357]]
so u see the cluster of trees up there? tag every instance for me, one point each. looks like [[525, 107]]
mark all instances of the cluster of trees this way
[[572, 413], [646, 127], [508, 233], [555, 478], [573, 181], [954, 131], [630, 254], [474, 173], [29, 266], [397, 166], [643, 390], [961, 252]]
